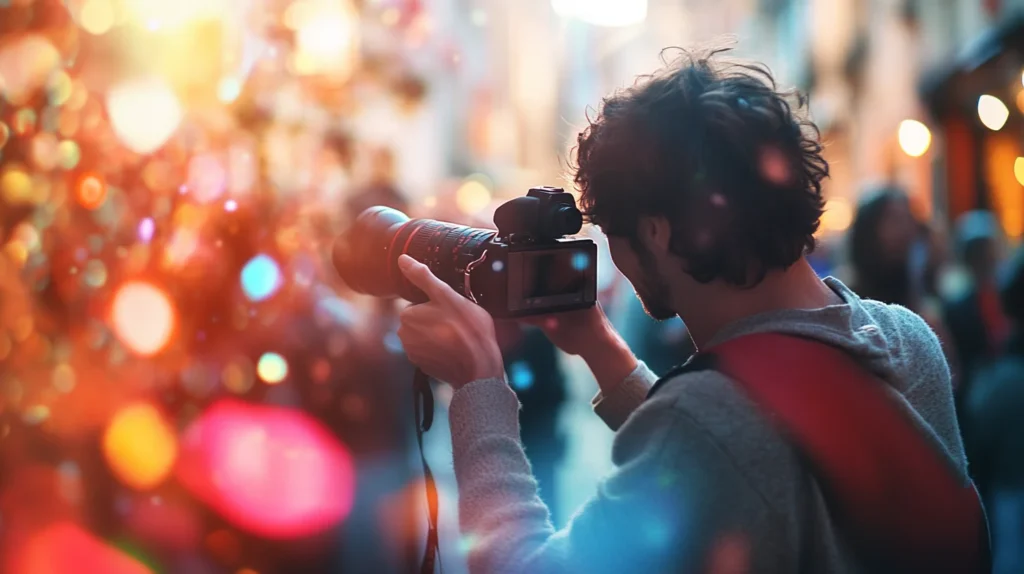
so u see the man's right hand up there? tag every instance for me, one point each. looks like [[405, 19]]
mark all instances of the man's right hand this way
[[588, 334]]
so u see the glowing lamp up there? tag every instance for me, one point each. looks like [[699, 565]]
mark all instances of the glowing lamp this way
[[140, 447], [143, 317], [144, 112], [272, 471], [915, 138], [992, 112]]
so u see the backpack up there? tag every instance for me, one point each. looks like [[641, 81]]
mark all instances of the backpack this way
[[892, 493]]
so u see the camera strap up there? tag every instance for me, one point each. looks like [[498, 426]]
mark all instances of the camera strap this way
[[424, 407]]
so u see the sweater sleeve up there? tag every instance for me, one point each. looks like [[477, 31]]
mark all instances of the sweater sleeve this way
[[670, 477], [616, 406]]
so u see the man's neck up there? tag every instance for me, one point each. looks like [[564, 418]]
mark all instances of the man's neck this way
[[795, 288]]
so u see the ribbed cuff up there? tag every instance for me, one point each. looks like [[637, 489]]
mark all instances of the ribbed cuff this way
[[485, 406], [616, 406]]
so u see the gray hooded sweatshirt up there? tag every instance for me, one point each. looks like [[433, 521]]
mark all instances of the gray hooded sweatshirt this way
[[703, 481]]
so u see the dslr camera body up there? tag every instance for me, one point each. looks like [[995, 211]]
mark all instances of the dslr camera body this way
[[525, 267]]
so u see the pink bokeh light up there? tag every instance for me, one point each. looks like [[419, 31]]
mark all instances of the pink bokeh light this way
[[273, 471]]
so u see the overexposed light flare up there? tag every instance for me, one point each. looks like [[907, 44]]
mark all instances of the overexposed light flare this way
[[915, 138], [144, 112], [992, 112]]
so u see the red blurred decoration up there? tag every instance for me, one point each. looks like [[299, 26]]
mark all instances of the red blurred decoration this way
[[272, 471], [65, 547]]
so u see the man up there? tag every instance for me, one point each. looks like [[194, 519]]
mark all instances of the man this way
[[993, 429], [977, 323], [709, 189]]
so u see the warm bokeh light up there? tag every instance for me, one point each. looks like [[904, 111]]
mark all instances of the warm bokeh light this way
[[1018, 170], [279, 473], [272, 368], [992, 112], [65, 547], [144, 112], [168, 15], [97, 16], [838, 215], [143, 317], [140, 446], [261, 278], [90, 191], [472, 197], [915, 138], [326, 37], [607, 13], [26, 63]]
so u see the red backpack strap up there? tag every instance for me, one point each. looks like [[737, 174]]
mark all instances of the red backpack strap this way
[[893, 494]]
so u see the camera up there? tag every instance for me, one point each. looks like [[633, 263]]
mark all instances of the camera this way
[[525, 267]]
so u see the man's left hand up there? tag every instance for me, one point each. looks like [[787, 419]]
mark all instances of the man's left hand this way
[[450, 338]]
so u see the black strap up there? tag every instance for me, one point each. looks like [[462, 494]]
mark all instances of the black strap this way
[[424, 398]]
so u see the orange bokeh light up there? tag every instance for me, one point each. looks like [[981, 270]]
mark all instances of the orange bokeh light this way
[[143, 317], [140, 446], [91, 191]]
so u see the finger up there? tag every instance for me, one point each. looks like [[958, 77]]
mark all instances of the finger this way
[[420, 275]]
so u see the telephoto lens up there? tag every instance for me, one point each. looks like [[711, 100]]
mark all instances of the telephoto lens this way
[[526, 268], [366, 256]]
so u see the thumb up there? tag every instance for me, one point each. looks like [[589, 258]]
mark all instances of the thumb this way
[[420, 275]]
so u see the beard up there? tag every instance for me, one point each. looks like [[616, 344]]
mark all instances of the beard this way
[[653, 294]]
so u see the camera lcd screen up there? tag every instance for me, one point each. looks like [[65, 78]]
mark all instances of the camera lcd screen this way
[[552, 273]]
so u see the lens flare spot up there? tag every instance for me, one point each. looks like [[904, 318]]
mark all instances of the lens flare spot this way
[[272, 368], [472, 197], [140, 446], [144, 112], [580, 260], [97, 16], [261, 278], [143, 317], [26, 63], [95, 274], [992, 112], [146, 229], [228, 90], [91, 191], [16, 185], [272, 471], [230, 205], [237, 376], [207, 178], [915, 138], [520, 376], [68, 155]]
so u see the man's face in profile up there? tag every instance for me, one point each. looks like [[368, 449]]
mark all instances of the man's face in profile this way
[[641, 268]]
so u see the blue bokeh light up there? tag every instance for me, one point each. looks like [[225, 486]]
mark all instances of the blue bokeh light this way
[[520, 376], [580, 260], [261, 278]]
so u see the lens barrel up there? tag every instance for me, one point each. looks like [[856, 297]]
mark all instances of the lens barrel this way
[[366, 256]]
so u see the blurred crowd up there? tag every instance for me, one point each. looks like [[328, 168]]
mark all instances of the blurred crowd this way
[[187, 387]]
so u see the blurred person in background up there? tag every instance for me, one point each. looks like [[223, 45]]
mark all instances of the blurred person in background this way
[[993, 421], [894, 258], [708, 185], [978, 326]]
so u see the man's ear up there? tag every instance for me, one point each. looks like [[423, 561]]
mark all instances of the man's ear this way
[[655, 233]]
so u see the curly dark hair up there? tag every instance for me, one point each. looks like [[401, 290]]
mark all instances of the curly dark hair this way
[[716, 148]]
